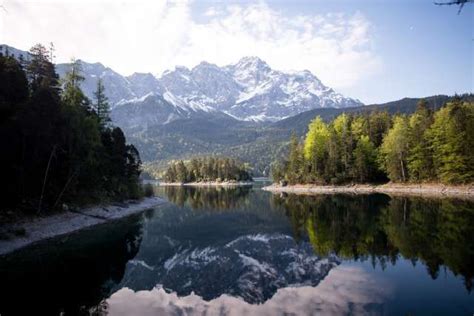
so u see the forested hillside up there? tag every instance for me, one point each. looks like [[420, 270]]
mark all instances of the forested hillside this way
[[58, 146], [256, 143], [426, 146]]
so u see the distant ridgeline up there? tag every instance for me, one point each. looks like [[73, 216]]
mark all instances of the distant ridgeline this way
[[58, 146], [207, 169], [426, 146]]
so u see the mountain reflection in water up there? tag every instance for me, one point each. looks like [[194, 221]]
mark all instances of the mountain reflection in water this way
[[346, 290], [241, 250]]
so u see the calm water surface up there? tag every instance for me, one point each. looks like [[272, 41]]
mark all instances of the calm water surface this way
[[245, 251]]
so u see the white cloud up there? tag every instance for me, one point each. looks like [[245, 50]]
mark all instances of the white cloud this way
[[155, 35]]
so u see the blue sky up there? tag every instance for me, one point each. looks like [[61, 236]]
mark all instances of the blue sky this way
[[375, 51], [425, 49]]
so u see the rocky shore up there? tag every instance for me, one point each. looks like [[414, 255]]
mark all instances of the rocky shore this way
[[31, 230], [428, 190]]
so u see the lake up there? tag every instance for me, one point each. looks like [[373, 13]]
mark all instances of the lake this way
[[246, 251]]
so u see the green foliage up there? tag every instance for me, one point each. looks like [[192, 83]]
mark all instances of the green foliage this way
[[436, 233], [420, 156], [295, 164], [101, 106], [55, 150], [315, 139], [13, 86], [257, 143], [72, 94], [376, 146], [148, 190], [365, 156], [215, 199], [40, 70], [394, 150], [315, 149], [338, 152], [277, 171], [207, 169], [452, 142]]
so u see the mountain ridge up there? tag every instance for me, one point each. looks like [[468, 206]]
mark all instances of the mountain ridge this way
[[247, 90]]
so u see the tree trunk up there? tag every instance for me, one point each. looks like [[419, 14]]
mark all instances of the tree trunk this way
[[46, 177], [403, 170]]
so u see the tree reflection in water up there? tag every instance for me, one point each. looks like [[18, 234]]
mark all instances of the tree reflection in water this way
[[435, 232], [213, 198], [69, 274]]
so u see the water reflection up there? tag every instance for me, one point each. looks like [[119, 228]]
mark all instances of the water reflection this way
[[345, 291], [244, 251], [217, 198], [69, 274], [380, 229]]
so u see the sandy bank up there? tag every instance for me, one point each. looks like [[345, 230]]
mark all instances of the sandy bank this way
[[428, 190], [206, 184], [42, 228]]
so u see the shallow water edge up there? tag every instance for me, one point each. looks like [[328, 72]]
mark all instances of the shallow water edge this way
[[42, 228]]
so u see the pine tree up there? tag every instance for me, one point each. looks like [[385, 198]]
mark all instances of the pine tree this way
[[333, 166], [40, 70], [181, 172], [378, 124], [72, 94], [365, 156], [13, 87], [295, 161], [102, 105], [420, 156], [51, 52]]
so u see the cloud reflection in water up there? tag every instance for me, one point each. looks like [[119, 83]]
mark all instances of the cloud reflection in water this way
[[346, 290]]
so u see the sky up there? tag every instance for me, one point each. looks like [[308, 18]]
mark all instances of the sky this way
[[372, 50]]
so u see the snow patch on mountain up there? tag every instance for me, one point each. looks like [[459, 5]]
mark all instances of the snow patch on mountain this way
[[249, 90]]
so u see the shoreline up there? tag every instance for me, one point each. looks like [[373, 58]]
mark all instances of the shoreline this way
[[206, 184], [465, 192], [42, 228]]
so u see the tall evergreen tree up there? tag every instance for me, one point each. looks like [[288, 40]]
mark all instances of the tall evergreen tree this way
[[378, 124], [55, 151], [420, 156], [365, 156], [102, 105], [181, 172], [72, 94], [40, 70], [295, 161], [13, 87]]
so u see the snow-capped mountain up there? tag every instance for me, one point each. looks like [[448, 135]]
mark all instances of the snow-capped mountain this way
[[117, 87], [141, 113], [249, 90]]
